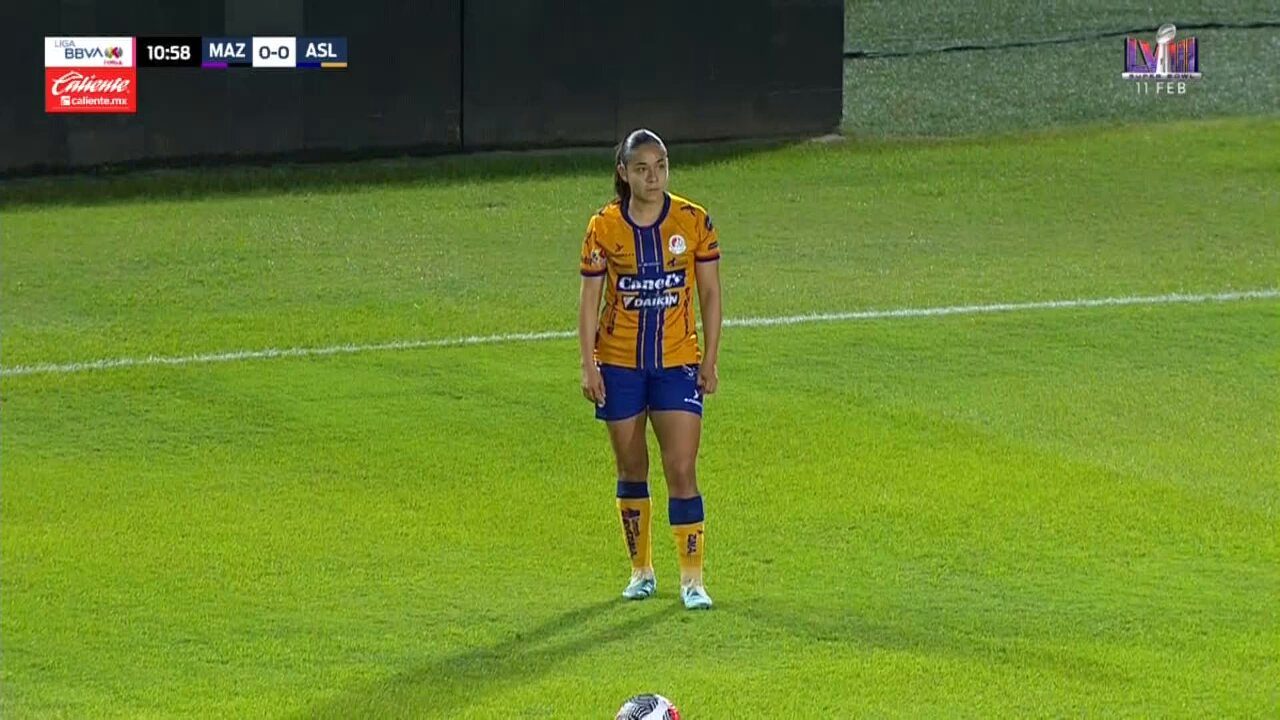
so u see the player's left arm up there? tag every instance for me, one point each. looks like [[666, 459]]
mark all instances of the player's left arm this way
[[708, 279]]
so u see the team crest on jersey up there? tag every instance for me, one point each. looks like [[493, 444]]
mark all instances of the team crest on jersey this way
[[677, 245]]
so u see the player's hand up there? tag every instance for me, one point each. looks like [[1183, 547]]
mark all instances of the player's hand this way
[[593, 384], [708, 379]]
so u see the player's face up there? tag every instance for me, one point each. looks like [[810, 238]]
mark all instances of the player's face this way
[[646, 173]]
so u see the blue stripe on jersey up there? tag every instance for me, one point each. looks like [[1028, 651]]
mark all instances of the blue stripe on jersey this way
[[650, 342], [649, 262], [661, 313], [640, 331]]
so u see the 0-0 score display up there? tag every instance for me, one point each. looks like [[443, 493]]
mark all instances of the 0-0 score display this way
[[246, 51]]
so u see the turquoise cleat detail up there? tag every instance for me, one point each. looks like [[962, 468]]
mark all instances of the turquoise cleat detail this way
[[642, 585], [695, 597]]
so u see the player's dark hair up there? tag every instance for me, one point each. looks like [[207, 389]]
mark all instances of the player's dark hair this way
[[626, 148]]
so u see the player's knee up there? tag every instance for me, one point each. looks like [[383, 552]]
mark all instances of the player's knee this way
[[633, 468], [681, 480]]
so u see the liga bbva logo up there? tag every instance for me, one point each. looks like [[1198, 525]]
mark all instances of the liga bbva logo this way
[[1169, 60], [90, 75]]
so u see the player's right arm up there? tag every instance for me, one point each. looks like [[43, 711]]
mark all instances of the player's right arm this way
[[588, 326], [594, 268]]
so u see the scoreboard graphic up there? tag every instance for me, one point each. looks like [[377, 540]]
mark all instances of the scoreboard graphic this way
[[100, 74]]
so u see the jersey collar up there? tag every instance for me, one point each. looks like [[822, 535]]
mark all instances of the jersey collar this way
[[666, 206]]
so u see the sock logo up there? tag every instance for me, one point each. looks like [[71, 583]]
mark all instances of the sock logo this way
[[631, 528], [692, 542]]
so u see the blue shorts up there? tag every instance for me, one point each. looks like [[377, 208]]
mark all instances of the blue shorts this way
[[629, 392]]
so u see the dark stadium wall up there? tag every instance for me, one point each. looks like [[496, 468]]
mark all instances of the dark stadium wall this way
[[434, 76], [542, 72]]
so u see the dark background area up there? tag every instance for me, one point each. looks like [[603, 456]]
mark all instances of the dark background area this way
[[432, 77]]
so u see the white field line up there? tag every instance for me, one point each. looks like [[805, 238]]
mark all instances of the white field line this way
[[526, 337]]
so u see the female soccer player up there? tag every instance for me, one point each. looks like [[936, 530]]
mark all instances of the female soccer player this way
[[647, 252]]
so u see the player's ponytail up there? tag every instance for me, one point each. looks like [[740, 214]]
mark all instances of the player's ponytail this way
[[625, 148], [621, 189]]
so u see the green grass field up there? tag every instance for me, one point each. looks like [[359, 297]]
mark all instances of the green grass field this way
[[1060, 512]]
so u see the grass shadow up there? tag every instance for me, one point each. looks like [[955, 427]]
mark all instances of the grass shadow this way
[[443, 685], [990, 640], [266, 176]]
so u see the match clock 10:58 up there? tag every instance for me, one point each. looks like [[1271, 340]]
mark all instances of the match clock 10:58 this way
[[168, 52]]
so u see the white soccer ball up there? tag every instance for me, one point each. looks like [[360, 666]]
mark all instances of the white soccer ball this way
[[647, 707]]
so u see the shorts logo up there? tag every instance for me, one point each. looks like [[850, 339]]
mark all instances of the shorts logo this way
[[677, 245], [697, 395]]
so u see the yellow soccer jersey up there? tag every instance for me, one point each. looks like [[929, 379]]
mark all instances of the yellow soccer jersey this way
[[648, 316]]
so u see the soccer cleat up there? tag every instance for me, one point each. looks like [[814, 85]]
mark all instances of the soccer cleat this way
[[642, 585], [695, 597]]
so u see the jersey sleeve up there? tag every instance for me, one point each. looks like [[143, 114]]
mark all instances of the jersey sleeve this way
[[594, 263], [708, 248]]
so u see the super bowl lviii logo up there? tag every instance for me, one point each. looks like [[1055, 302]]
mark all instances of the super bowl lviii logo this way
[[90, 75], [1168, 63]]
